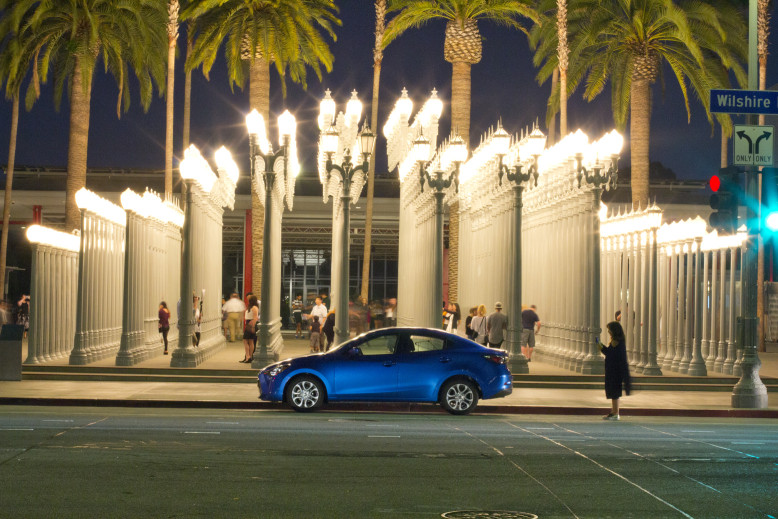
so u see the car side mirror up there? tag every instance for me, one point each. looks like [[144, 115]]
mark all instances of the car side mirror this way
[[354, 352]]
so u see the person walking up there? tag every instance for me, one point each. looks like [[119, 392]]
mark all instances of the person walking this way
[[235, 308], [164, 322], [616, 367], [297, 314], [315, 329], [328, 329], [478, 325], [23, 313], [250, 331], [496, 326], [530, 325], [198, 317]]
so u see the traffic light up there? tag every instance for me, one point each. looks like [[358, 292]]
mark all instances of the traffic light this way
[[725, 199], [769, 199]]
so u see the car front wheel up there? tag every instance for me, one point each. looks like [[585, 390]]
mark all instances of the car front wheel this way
[[305, 394], [459, 396]]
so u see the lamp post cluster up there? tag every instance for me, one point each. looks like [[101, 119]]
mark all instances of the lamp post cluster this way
[[344, 181], [207, 193], [519, 175], [453, 153], [266, 166]]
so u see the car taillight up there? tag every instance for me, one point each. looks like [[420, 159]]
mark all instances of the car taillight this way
[[497, 359]]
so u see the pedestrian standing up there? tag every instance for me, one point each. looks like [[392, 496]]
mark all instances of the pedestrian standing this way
[[616, 367], [478, 324], [297, 314], [454, 315], [530, 325], [250, 331], [496, 326], [319, 310], [390, 312], [164, 322], [328, 329], [23, 313], [235, 308], [198, 314], [315, 335], [469, 321]]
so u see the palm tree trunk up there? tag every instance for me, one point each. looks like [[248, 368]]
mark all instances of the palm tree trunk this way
[[460, 123], [171, 74], [8, 188], [460, 100], [562, 102], [80, 96], [380, 26], [259, 99], [552, 122], [370, 186], [639, 134], [724, 149], [187, 90]]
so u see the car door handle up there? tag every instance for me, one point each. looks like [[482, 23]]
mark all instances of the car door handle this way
[[445, 359], [389, 363]]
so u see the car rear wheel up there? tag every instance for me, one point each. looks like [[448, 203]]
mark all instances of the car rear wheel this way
[[459, 396], [305, 394]]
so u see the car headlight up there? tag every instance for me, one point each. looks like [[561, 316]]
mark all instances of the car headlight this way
[[275, 369]]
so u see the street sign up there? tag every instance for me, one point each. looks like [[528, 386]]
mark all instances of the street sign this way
[[744, 101], [753, 145]]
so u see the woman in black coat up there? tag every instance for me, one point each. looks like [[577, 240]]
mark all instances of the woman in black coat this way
[[616, 368]]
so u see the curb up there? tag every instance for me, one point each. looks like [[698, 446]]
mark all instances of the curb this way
[[388, 407]]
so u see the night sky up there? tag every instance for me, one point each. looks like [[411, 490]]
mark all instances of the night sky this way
[[503, 85]]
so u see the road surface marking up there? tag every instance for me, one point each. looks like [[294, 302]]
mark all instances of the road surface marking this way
[[68, 421], [380, 436], [224, 423], [202, 432], [17, 429]]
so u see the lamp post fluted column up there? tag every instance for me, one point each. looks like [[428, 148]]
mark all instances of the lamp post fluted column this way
[[518, 179], [596, 176], [347, 172], [262, 358]]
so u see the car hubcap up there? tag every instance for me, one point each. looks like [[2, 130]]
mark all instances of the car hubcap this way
[[305, 394], [459, 397]]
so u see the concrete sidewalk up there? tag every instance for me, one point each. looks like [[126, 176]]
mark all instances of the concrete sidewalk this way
[[245, 395]]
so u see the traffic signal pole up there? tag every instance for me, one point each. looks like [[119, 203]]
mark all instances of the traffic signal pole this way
[[750, 392]]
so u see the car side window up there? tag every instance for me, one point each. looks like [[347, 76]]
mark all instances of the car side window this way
[[422, 343], [382, 345]]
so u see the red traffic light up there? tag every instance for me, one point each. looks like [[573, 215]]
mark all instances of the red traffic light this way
[[715, 183]]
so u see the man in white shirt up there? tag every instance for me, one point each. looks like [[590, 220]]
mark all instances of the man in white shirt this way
[[320, 310], [234, 308]]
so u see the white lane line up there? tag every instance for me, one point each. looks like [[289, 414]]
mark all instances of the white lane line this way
[[690, 431], [748, 443], [603, 467], [382, 436], [3, 429], [224, 423], [519, 468], [67, 421], [699, 441], [540, 428], [380, 425], [202, 432]]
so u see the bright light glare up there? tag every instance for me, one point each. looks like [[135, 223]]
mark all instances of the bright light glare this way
[[771, 222]]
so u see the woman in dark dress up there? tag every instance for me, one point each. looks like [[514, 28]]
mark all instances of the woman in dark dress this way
[[164, 322], [329, 329], [616, 368]]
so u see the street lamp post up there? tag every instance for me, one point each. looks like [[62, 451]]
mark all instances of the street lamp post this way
[[439, 184], [262, 155], [597, 175], [346, 170], [533, 147]]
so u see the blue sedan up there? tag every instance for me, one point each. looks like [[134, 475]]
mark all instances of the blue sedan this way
[[392, 365]]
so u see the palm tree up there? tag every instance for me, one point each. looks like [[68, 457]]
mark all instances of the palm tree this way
[[378, 56], [73, 38], [462, 47], [625, 43], [16, 56], [257, 34], [172, 38]]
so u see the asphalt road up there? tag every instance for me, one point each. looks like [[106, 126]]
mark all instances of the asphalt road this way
[[90, 462]]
